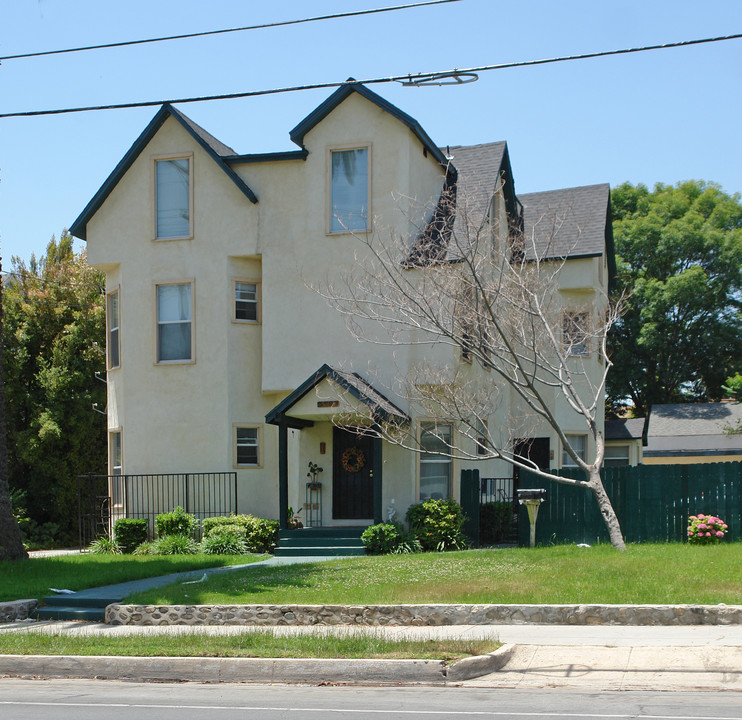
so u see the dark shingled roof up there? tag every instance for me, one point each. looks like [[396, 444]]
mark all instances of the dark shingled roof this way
[[478, 170], [629, 429], [566, 223]]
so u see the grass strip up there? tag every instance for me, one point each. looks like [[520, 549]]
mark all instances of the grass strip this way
[[651, 573], [32, 578], [251, 644]]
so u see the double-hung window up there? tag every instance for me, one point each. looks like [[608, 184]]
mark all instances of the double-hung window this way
[[246, 299], [115, 459], [246, 446], [579, 445], [349, 190], [174, 314], [173, 198], [616, 455], [436, 465], [575, 332], [114, 347]]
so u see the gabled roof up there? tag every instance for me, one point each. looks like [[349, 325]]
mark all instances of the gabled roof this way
[[567, 223], [343, 93], [383, 410], [214, 148]]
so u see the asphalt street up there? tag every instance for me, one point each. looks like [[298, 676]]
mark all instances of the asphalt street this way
[[89, 700]]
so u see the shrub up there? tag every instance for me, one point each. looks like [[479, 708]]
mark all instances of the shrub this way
[[130, 533], [495, 522], [706, 529], [149, 547], [381, 539], [260, 535], [176, 545], [224, 542], [438, 524], [176, 522], [104, 546]]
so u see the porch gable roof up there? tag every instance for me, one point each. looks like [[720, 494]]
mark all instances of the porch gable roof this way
[[383, 409]]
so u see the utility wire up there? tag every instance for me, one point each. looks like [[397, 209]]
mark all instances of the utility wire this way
[[409, 79], [282, 23]]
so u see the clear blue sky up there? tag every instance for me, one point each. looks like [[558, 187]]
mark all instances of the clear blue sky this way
[[661, 116]]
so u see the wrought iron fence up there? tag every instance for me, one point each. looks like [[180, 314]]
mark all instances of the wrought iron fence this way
[[498, 511], [146, 496]]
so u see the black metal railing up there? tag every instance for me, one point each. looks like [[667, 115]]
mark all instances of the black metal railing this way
[[498, 511], [148, 495]]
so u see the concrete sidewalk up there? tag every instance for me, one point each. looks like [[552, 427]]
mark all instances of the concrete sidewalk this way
[[535, 656]]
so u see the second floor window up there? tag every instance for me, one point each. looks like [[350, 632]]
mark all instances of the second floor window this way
[[246, 301], [575, 332], [174, 323], [113, 330], [349, 190], [173, 198]]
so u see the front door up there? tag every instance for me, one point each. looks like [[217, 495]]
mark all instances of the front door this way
[[352, 479], [536, 449]]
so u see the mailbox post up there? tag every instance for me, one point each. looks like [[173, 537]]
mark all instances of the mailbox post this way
[[532, 499]]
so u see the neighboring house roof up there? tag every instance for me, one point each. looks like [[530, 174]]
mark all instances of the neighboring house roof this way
[[383, 410], [216, 149], [571, 222], [344, 92], [694, 428], [624, 429]]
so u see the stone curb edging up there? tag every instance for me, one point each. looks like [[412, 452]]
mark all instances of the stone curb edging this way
[[16, 610], [422, 615], [257, 670]]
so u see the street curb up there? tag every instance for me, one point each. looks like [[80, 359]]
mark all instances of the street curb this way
[[472, 667], [258, 670]]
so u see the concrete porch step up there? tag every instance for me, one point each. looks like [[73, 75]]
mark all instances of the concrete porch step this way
[[61, 612], [310, 551]]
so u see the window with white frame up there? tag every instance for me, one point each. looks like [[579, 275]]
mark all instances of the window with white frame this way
[[174, 312], [115, 459], [575, 332], [246, 446], [436, 465], [114, 340], [173, 198], [349, 190], [616, 455], [579, 446], [246, 299]]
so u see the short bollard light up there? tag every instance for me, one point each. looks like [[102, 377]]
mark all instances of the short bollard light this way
[[532, 499]]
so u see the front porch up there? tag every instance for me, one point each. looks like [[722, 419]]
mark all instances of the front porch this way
[[349, 491]]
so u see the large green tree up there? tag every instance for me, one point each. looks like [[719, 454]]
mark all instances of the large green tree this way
[[679, 263], [54, 339], [11, 543]]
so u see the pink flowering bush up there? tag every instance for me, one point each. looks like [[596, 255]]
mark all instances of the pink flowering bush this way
[[705, 529]]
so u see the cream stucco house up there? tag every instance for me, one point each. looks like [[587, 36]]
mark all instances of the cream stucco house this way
[[221, 355]]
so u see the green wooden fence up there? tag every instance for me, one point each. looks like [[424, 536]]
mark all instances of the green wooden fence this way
[[652, 502]]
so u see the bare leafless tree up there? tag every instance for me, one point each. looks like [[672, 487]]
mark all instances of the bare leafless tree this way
[[477, 304]]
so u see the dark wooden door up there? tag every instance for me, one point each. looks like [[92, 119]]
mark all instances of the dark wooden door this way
[[536, 449], [352, 480]]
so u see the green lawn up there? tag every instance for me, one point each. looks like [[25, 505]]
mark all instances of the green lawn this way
[[251, 643], [656, 574], [32, 578]]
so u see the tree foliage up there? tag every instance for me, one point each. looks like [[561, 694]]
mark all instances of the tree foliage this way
[[53, 336], [680, 263]]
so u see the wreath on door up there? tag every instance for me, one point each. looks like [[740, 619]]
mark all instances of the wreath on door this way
[[353, 459]]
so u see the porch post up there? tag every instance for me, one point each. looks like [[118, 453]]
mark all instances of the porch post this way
[[283, 475], [376, 469]]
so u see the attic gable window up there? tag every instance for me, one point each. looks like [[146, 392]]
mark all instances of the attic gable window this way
[[349, 190], [173, 198]]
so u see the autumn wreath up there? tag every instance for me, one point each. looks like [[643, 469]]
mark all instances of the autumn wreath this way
[[353, 460]]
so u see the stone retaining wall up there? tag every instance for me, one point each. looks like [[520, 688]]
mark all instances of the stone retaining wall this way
[[16, 610], [375, 615]]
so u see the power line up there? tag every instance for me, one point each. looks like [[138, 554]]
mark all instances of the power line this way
[[409, 79], [282, 23]]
